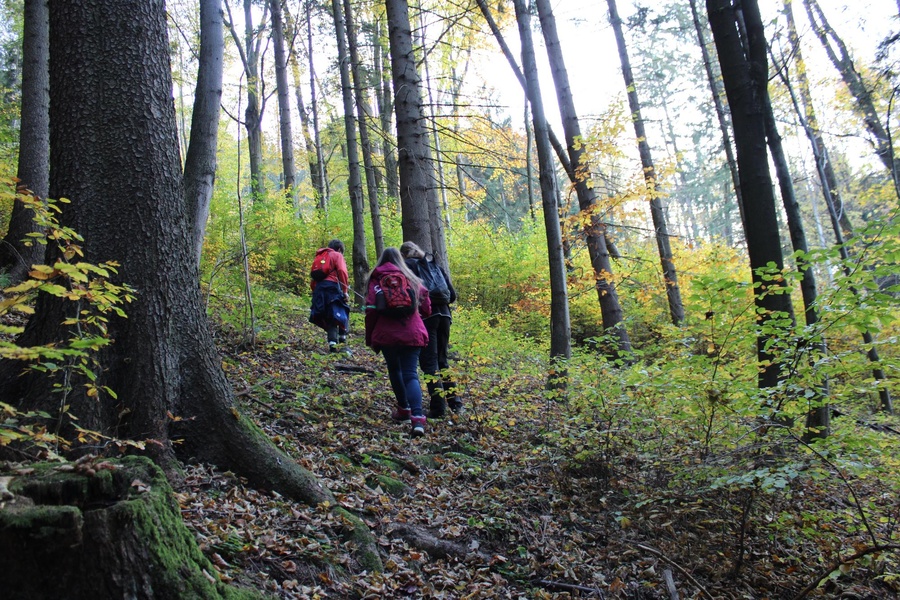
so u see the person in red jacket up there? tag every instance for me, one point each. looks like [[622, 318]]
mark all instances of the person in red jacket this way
[[400, 339], [329, 281]]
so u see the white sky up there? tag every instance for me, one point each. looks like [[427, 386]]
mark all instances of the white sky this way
[[592, 58]]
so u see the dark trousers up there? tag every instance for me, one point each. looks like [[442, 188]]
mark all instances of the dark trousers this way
[[433, 360], [403, 371]]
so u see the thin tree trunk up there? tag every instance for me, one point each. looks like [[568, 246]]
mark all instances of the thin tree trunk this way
[[821, 157], [354, 179], [529, 167], [288, 167], [670, 275], [200, 160], [745, 77], [321, 170], [560, 332], [721, 117], [249, 51], [362, 117], [383, 96], [17, 256], [595, 234], [861, 92], [809, 112]]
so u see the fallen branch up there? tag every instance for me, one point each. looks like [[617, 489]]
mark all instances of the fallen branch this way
[[568, 587], [843, 561], [435, 547], [670, 584], [681, 569]]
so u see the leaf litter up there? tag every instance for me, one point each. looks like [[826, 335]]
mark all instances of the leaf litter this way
[[478, 508]]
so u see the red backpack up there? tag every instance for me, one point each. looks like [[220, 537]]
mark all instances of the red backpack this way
[[322, 264], [393, 296]]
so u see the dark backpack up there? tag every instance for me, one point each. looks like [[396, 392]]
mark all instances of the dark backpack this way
[[394, 296], [433, 278]]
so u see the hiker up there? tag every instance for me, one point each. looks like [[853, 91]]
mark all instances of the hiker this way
[[396, 303], [329, 281], [433, 358]]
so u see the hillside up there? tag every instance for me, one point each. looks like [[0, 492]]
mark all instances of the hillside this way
[[487, 505]]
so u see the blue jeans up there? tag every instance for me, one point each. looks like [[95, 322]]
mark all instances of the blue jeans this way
[[403, 371]]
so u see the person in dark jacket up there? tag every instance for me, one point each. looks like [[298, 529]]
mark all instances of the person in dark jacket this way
[[433, 358], [329, 281], [400, 339]]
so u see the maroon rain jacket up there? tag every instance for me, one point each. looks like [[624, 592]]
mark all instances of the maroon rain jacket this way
[[382, 330]]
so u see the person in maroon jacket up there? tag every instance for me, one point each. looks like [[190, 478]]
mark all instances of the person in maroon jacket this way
[[400, 339]]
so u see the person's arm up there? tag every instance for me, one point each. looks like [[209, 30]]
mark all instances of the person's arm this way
[[449, 286]]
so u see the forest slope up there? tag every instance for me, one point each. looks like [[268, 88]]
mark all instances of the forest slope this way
[[509, 513]]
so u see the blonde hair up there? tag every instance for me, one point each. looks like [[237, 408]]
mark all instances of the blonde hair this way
[[411, 250]]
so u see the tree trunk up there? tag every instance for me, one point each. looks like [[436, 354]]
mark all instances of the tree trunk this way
[[560, 333], [383, 96], [249, 51], [809, 112], [322, 170], [365, 144], [116, 534], [112, 113], [418, 196], [17, 256], [861, 92], [670, 275], [595, 234], [832, 200], [354, 179], [200, 160], [721, 117], [745, 77], [289, 170]]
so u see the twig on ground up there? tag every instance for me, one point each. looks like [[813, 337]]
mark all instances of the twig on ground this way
[[681, 569], [569, 587], [843, 561]]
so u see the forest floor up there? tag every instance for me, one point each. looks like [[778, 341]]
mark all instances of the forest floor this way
[[480, 507]]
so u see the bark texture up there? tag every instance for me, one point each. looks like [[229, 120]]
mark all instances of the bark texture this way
[[16, 257], [113, 113], [745, 76], [288, 168], [200, 159], [560, 332], [105, 536]]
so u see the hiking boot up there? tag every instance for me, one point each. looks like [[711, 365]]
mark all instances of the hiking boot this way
[[342, 338], [457, 407], [418, 426], [437, 406], [332, 347], [401, 414]]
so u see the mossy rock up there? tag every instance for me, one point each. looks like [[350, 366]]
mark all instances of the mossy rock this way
[[393, 487], [387, 462], [106, 533], [428, 461]]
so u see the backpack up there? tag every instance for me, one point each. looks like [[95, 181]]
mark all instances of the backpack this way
[[433, 278], [322, 265], [394, 296]]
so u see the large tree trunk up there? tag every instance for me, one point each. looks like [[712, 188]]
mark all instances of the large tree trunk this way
[[17, 256], [362, 115], [200, 160], [560, 332], [354, 178], [116, 534], [418, 196], [745, 77], [670, 275], [112, 113], [288, 167]]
